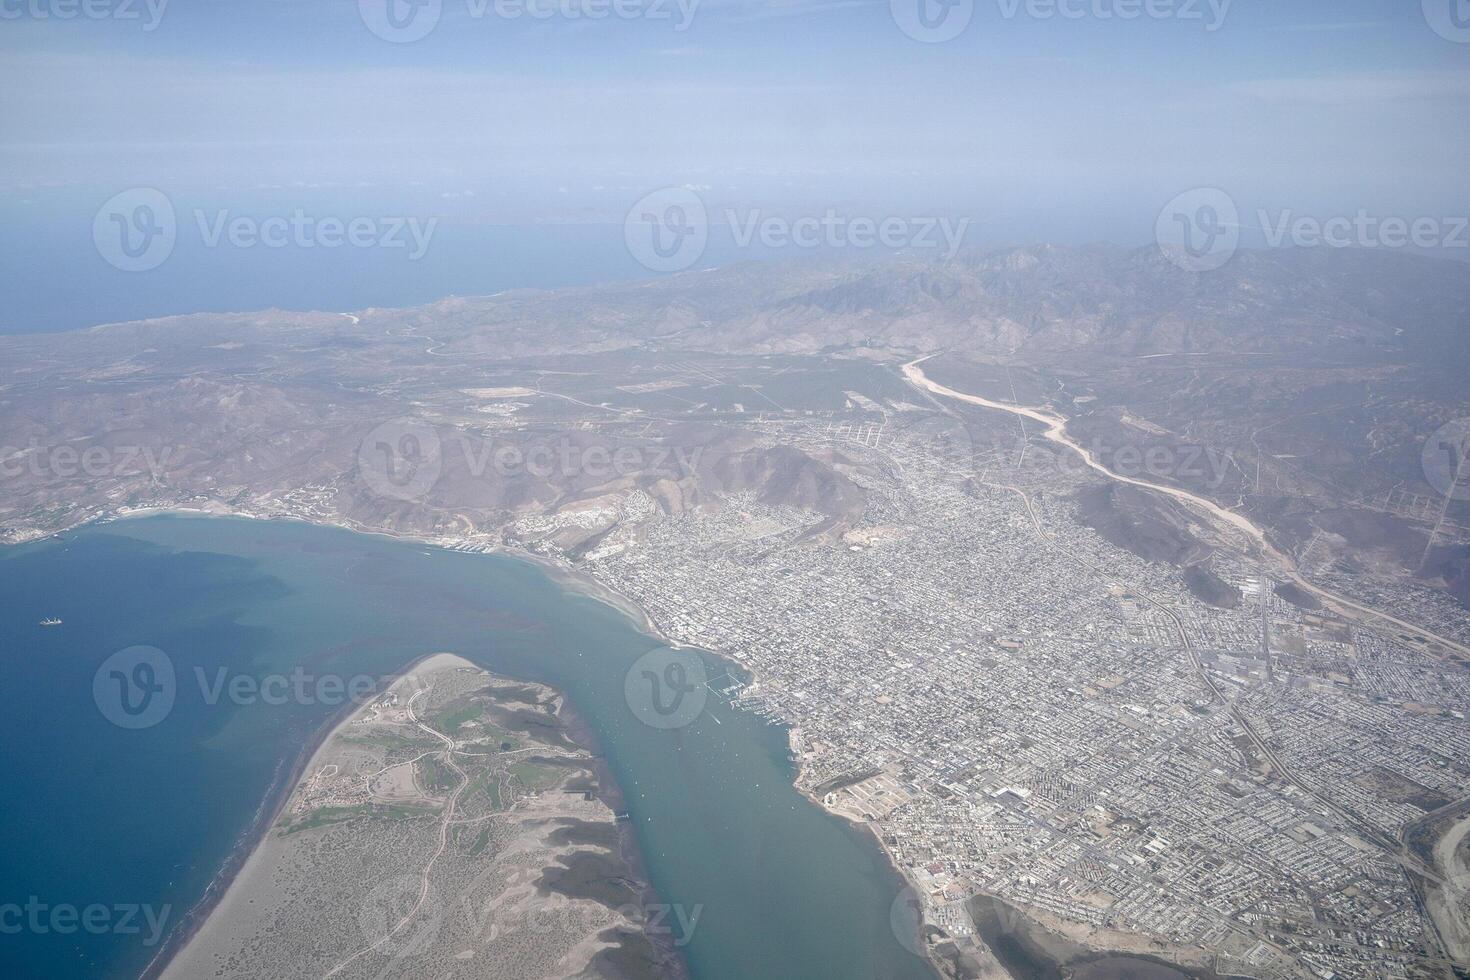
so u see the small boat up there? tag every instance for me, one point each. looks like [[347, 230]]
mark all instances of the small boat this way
[[51, 622]]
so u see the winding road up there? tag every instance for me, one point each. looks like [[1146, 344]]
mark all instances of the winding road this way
[[450, 747], [1056, 431]]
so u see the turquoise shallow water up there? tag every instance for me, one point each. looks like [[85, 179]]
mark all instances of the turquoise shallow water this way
[[105, 817]]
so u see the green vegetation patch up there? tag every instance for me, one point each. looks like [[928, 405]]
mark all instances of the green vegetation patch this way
[[329, 815], [387, 740], [536, 777], [499, 737], [455, 716], [438, 777], [486, 781]]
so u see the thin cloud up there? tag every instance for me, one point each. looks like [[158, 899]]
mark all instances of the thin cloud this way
[[773, 9], [1358, 89], [1328, 27]]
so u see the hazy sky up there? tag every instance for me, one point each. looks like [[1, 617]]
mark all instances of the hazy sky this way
[[1026, 113]]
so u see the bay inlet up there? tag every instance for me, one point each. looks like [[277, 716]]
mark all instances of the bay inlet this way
[[110, 816]]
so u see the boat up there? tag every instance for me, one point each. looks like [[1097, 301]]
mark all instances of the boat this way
[[51, 622]]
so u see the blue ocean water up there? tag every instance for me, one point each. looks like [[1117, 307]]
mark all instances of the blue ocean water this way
[[54, 277], [98, 816]]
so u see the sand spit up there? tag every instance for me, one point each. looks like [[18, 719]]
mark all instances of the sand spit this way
[[451, 827]]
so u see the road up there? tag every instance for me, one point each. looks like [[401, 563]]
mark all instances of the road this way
[[450, 747], [1056, 431]]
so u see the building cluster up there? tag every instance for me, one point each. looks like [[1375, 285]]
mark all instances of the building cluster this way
[[1022, 710]]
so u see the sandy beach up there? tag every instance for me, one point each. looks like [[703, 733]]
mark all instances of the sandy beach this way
[[256, 853], [245, 863], [300, 905]]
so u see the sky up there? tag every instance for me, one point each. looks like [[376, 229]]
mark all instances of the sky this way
[[1313, 97], [1037, 120]]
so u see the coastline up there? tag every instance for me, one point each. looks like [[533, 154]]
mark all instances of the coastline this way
[[611, 794], [250, 841], [564, 576]]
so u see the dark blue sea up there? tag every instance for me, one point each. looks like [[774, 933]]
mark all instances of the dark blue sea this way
[[101, 817]]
